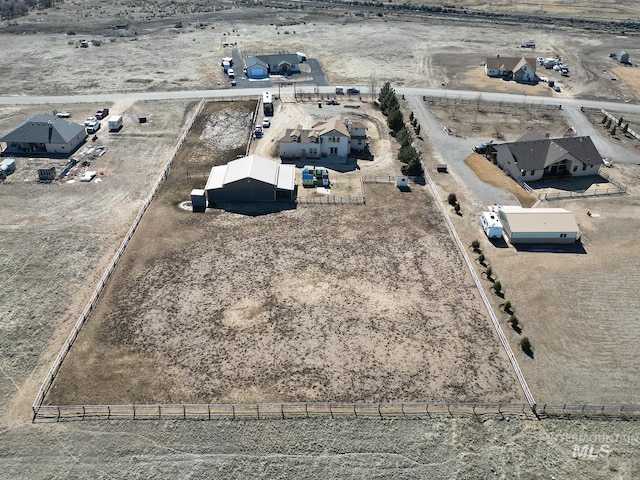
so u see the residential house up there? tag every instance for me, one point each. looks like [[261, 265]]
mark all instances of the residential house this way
[[533, 157], [520, 69], [44, 133], [261, 66], [333, 139]]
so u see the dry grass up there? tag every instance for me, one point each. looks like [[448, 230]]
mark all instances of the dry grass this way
[[491, 174]]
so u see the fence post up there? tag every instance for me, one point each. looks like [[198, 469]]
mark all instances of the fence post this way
[[134, 412], [258, 411], [233, 411], [379, 412], [330, 411], [58, 413], [159, 413], [84, 412], [354, 410], [184, 411], [282, 410], [209, 410], [306, 409]]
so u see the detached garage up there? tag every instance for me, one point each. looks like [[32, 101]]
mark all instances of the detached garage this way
[[539, 225], [251, 179]]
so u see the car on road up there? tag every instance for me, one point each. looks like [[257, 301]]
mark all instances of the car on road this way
[[102, 113], [231, 73], [257, 131], [63, 114], [482, 147], [556, 88], [353, 91], [93, 127], [266, 123], [89, 121]]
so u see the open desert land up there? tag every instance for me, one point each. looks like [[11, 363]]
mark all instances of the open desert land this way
[[578, 309]]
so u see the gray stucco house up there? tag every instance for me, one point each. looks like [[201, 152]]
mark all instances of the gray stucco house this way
[[533, 157], [44, 133]]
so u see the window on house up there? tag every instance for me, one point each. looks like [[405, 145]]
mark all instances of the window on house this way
[[575, 168], [533, 172], [334, 150], [523, 173], [563, 235], [584, 166]]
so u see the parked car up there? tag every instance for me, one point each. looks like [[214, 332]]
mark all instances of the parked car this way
[[266, 123], [63, 114], [353, 91], [556, 88], [482, 147], [93, 127], [89, 121], [102, 113], [257, 132], [231, 73]]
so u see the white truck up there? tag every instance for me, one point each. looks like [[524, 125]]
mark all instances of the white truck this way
[[115, 123], [491, 224]]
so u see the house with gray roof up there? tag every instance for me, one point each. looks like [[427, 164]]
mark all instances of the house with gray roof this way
[[261, 66], [520, 69], [534, 157], [332, 139], [44, 133], [251, 179]]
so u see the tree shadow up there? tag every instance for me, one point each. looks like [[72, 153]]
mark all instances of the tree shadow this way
[[516, 328], [528, 353]]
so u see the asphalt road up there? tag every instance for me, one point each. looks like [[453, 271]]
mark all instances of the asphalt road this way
[[325, 90]]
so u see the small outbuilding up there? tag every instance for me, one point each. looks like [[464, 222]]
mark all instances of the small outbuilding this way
[[198, 200], [622, 56], [251, 179], [539, 225]]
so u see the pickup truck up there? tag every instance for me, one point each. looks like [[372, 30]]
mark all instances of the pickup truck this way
[[102, 113], [353, 91]]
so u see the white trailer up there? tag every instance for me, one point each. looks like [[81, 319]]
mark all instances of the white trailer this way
[[491, 224], [115, 123]]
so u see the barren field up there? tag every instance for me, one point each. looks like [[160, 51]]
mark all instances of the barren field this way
[[579, 310], [305, 304]]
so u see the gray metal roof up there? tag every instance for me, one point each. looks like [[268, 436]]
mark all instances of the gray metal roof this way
[[531, 153], [279, 59], [44, 128], [254, 167]]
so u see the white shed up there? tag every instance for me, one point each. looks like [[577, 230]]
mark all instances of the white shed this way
[[539, 225]]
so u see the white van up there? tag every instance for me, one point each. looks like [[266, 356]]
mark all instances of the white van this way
[[230, 73]]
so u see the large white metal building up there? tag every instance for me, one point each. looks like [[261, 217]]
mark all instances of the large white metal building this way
[[251, 179], [539, 225]]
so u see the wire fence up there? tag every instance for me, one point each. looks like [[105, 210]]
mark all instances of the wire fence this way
[[75, 331], [284, 411], [487, 106], [279, 411]]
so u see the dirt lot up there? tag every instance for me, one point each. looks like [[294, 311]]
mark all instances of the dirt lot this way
[[60, 236], [213, 309]]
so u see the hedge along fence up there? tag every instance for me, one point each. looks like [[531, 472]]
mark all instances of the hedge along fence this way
[[55, 367]]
